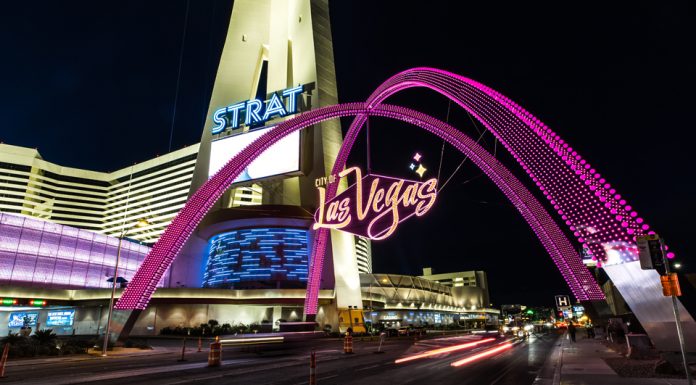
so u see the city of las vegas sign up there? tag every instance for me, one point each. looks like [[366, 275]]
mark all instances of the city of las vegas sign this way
[[374, 205]]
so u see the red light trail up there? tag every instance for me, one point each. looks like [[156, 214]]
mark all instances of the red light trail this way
[[486, 353], [448, 349]]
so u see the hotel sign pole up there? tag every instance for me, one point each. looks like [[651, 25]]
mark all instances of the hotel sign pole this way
[[677, 318], [651, 250], [140, 223], [113, 293]]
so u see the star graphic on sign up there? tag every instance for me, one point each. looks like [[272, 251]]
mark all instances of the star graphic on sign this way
[[412, 166], [417, 157], [421, 170]]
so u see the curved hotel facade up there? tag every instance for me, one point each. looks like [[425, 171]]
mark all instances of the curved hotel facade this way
[[248, 260]]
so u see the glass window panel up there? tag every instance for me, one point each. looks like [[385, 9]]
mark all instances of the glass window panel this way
[[49, 245], [30, 241], [7, 260], [43, 274], [12, 220], [54, 228], [24, 268], [9, 237], [61, 273], [82, 250], [33, 224], [66, 250], [79, 273]]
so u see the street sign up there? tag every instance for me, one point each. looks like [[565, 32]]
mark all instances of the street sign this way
[[562, 302], [650, 252]]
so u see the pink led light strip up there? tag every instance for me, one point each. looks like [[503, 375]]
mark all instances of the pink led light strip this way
[[597, 215], [138, 293], [582, 198], [569, 263]]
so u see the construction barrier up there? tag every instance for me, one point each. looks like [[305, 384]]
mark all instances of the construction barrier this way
[[215, 354], [348, 344], [313, 368], [3, 361]]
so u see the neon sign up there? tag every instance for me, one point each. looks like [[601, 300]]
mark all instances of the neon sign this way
[[389, 202], [256, 111]]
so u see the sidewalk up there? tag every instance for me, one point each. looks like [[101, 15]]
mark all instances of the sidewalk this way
[[582, 363], [86, 357]]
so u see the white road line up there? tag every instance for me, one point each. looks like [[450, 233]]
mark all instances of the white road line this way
[[367, 368]]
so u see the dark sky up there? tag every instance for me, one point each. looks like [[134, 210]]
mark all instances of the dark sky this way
[[92, 85]]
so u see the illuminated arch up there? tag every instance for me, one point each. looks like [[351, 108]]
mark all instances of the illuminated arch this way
[[598, 216], [142, 286]]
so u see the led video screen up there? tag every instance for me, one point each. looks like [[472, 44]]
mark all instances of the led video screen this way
[[281, 158], [17, 320], [64, 317]]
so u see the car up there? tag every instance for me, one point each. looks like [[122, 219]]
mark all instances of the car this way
[[391, 332]]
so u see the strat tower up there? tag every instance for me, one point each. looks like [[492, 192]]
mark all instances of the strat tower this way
[[277, 62]]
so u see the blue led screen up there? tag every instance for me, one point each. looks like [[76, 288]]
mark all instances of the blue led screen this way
[[258, 254]]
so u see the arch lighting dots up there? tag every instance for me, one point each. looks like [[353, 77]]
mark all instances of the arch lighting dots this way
[[598, 217]]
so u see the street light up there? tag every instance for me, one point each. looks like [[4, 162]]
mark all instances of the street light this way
[[140, 223]]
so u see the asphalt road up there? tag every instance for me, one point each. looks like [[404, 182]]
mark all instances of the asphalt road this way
[[289, 364]]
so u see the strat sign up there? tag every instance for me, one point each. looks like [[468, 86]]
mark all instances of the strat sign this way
[[375, 205], [254, 111]]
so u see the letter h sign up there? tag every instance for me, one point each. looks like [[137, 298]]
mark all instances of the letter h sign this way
[[562, 302]]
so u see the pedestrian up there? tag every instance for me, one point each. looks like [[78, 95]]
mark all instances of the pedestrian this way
[[571, 330], [590, 331]]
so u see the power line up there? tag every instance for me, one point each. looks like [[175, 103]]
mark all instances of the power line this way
[[178, 75]]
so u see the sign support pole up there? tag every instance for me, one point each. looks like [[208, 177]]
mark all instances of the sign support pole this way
[[677, 320]]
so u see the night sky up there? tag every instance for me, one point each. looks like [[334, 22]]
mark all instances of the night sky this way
[[93, 84]]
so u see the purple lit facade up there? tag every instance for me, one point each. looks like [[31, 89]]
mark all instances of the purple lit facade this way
[[598, 216], [44, 254]]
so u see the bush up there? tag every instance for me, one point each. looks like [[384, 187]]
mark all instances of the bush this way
[[74, 346], [138, 345]]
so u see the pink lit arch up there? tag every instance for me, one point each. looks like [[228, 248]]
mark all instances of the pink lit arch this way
[[137, 294], [599, 218]]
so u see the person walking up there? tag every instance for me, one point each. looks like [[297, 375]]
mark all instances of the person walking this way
[[572, 330]]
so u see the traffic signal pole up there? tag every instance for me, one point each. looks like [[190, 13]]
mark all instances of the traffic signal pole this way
[[677, 319]]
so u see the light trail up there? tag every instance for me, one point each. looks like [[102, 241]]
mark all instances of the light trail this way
[[250, 341], [448, 349], [486, 353]]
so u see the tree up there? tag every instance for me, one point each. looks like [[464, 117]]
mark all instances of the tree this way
[[45, 337]]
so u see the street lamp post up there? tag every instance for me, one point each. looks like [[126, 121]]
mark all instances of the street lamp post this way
[[140, 223]]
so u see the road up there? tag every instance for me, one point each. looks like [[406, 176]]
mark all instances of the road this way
[[517, 364]]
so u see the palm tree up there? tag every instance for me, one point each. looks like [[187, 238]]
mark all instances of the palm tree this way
[[45, 337], [13, 339]]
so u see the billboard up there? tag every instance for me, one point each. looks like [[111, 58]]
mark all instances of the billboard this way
[[281, 158], [19, 319], [64, 317]]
